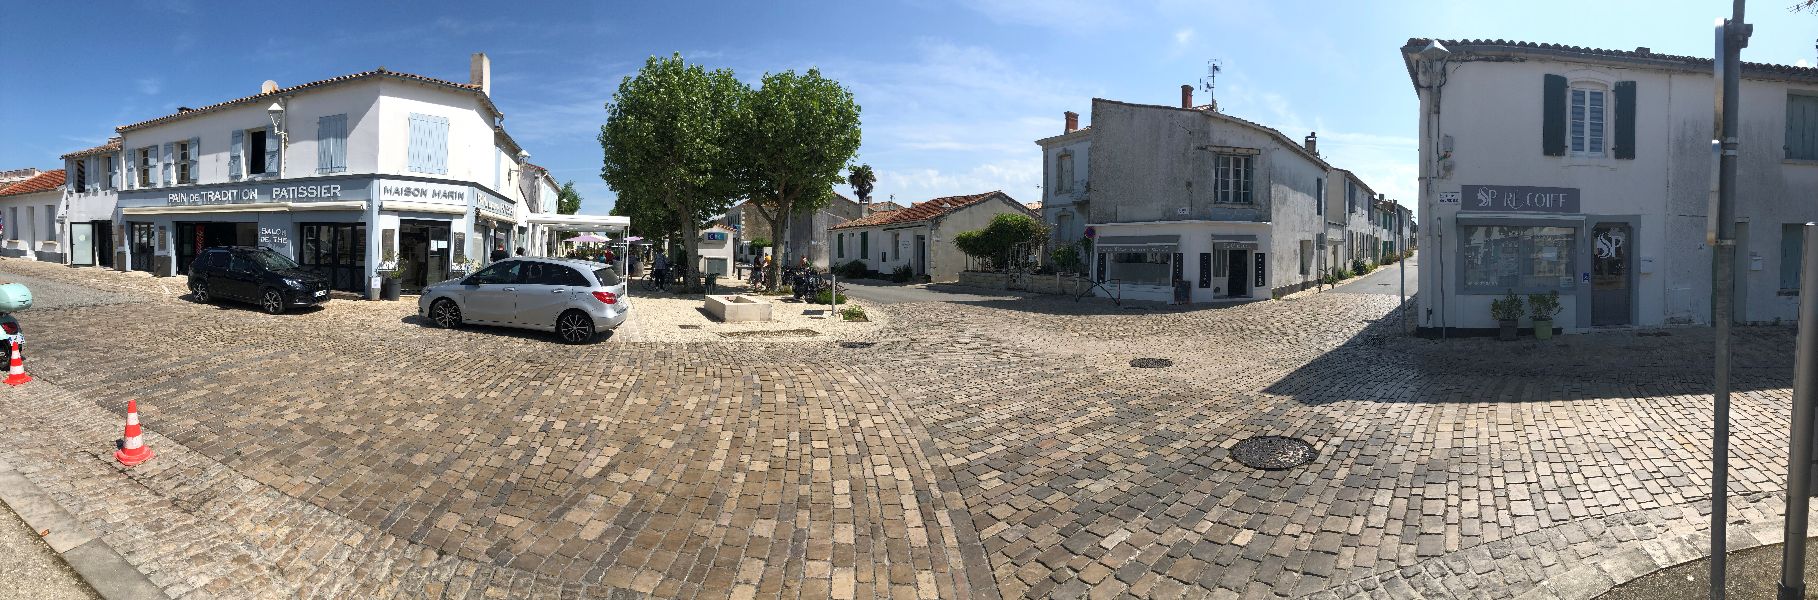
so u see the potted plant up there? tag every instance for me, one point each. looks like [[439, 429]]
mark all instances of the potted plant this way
[[1542, 308], [390, 276], [1507, 312]]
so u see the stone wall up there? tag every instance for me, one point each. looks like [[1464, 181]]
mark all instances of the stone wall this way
[[1040, 284]]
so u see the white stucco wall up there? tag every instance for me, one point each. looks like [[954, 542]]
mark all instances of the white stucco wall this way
[[1493, 113]]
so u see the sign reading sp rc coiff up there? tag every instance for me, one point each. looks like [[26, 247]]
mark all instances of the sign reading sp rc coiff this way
[[1519, 198]]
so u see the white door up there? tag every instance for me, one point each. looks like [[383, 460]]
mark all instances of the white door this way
[[82, 244]]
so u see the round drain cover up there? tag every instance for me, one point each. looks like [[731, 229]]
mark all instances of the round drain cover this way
[[1151, 363], [1273, 452], [857, 344]]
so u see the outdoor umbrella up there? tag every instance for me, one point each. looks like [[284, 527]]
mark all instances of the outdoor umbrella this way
[[586, 238]]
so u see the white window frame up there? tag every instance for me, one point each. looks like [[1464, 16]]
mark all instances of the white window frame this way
[[1234, 182], [182, 158], [1592, 130]]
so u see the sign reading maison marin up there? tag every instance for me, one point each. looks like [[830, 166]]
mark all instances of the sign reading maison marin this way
[[421, 191], [1519, 198]]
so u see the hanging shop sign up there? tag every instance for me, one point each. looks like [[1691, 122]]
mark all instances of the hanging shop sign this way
[[493, 206], [1519, 198]]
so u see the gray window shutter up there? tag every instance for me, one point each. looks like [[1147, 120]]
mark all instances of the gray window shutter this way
[[273, 146], [157, 171], [233, 155], [113, 175], [195, 159], [170, 164], [1802, 127], [1553, 116], [1625, 120], [131, 172]]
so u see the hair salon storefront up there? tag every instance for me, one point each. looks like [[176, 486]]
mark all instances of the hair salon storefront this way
[[1537, 240], [340, 227]]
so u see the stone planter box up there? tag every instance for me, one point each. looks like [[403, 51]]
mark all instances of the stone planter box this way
[[738, 309]]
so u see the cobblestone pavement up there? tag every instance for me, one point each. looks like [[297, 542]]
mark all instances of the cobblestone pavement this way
[[981, 449]]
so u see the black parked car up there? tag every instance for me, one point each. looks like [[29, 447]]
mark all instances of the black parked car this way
[[258, 275]]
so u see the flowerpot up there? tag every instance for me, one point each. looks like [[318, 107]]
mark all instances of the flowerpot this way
[[1543, 329], [388, 289], [1508, 331]]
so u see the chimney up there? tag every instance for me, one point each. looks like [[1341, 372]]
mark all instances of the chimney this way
[[480, 73], [1186, 96], [1313, 143], [1072, 122]]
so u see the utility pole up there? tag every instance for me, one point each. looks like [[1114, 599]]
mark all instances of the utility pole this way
[[1732, 36], [1805, 402]]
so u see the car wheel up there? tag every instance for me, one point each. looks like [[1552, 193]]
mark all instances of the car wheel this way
[[574, 327], [272, 301], [201, 292], [445, 314]]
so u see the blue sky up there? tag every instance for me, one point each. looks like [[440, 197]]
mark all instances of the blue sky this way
[[953, 93]]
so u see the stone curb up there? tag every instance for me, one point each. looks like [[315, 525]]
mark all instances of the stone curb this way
[[97, 563], [1594, 579]]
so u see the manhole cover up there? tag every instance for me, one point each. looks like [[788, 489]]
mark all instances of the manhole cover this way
[[857, 344], [1273, 452], [1151, 363]]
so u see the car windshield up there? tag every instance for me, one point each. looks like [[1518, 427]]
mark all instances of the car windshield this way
[[607, 276], [272, 261]]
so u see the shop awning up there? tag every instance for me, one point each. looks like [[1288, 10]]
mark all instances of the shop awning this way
[[1137, 243], [580, 222], [1233, 241]]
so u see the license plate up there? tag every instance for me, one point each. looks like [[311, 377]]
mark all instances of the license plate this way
[[321, 293]]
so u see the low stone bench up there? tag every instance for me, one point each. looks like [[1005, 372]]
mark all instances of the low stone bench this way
[[738, 308]]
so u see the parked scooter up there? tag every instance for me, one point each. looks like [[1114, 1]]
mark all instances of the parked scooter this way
[[13, 297]]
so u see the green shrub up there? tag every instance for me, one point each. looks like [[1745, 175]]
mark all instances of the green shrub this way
[[853, 312], [997, 243], [1506, 309], [902, 274], [1543, 307], [1344, 274], [853, 270], [1066, 258], [826, 297]]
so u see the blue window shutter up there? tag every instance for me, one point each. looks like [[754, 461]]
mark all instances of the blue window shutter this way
[[233, 155], [130, 175], [324, 135], [439, 152], [414, 158], [273, 147], [1625, 120], [113, 175], [169, 164], [156, 168], [195, 159], [339, 156]]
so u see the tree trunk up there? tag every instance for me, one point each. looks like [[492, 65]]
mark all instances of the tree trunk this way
[[691, 232], [779, 225]]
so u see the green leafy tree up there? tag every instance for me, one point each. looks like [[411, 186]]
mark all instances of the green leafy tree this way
[[664, 142], [568, 201], [794, 134], [862, 180], [1006, 243]]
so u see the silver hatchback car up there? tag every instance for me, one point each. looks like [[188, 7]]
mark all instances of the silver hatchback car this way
[[576, 299]]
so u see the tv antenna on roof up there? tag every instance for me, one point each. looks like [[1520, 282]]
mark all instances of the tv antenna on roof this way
[[1210, 81]]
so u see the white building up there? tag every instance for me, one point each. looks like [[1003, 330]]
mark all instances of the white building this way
[[28, 214], [920, 237], [1187, 194], [1587, 172], [1065, 163], [86, 213], [346, 175]]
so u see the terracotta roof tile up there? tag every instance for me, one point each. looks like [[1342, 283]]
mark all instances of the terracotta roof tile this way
[[1764, 69], [921, 211], [111, 145], [380, 72], [48, 180]]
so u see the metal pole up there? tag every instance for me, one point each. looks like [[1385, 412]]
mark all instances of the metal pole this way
[[1805, 400], [1723, 293], [1401, 258]]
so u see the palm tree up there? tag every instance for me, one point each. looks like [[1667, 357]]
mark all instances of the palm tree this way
[[861, 179]]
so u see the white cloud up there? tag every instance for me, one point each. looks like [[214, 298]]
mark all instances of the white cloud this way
[[1183, 37], [149, 86]]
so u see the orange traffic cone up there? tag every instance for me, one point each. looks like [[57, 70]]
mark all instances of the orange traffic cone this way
[[134, 451], [15, 374]]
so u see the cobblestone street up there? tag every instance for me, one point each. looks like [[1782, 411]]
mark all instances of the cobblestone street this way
[[986, 448]]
